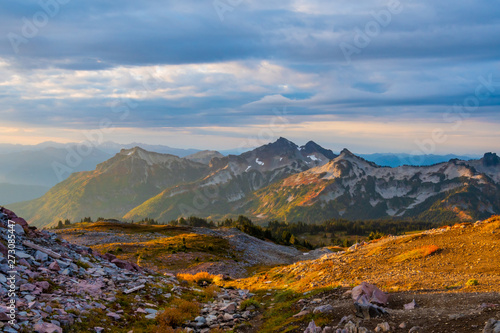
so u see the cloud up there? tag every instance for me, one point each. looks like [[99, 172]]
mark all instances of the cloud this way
[[177, 65]]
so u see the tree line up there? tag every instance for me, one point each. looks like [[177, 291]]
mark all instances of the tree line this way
[[340, 231]]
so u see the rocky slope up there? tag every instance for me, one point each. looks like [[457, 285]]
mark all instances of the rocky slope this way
[[63, 287], [443, 280], [456, 254]]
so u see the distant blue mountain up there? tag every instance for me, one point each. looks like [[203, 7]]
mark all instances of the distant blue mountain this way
[[395, 160]]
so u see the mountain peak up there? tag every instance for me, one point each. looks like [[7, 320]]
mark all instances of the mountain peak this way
[[131, 151], [312, 147], [148, 156], [284, 141], [204, 156], [491, 159], [346, 152], [279, 146]]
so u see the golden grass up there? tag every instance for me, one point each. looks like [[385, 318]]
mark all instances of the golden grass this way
[[375, 251], [472, 282], [198, 277], [210, 292], [421, 252], [174, 317]]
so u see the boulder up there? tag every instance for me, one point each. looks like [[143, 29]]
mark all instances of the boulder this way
[[230, 308], [21, 222], [10, 214], [47, 328], [54, 266], [323, 309], [302, 313], [368, 293], [312, 328], [27, 287], [126, 265], [492, 326], [4, 313], [383, 327], [44, 285], [113, 315], [18, 229], [368, 311], [40, 256], [109, 257], [410, 306]]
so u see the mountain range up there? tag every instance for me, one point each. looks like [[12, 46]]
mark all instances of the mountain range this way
[[279, 180], [29, 171]]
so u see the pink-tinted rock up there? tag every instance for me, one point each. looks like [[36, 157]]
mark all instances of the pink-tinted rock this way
[[113, 315], [22, 222], [93, 289], [10, 214], [24, 263], [367, 293], [126, 265], [410, 306], [312, 328], [109, 257], [54, 266], [31, 274], [137, 267], [60, 312], [47, 328], [4, 313], [44, 285], [27, 287]]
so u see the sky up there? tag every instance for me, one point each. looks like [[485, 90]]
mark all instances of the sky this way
[[373, 76]]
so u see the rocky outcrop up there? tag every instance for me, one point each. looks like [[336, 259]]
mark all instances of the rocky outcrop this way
[[60, 284], [225, 312], [57, 280]]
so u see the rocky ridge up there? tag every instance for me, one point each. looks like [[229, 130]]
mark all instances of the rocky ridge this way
[[60, 286]]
